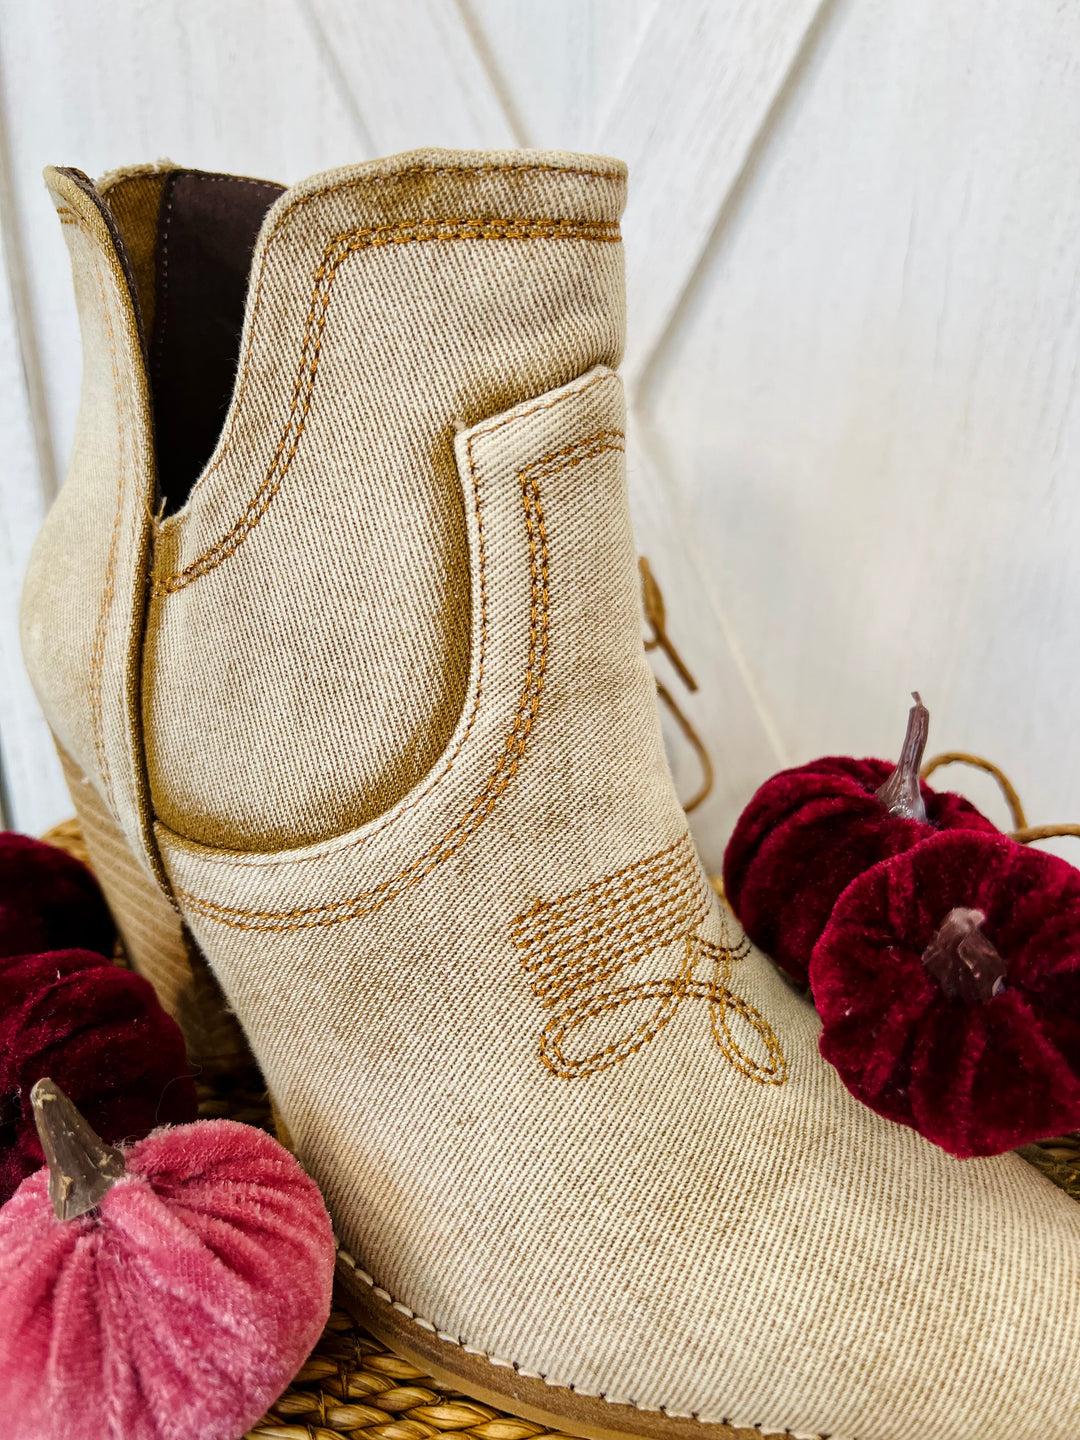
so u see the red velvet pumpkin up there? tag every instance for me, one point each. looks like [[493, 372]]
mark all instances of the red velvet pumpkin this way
[[948, 985], [49, 900], [102, 1033], [808, 832]]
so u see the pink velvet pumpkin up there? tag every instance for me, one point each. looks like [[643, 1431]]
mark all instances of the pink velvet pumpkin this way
[[948, 985], [179, 1303]]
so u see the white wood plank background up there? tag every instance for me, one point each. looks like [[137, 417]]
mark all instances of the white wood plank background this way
[[853, 247]]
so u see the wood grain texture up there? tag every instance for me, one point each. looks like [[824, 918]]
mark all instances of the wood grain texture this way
[[33, 792], [35, 795], [412, 72], [871, 396], [559, 63], [699, 90]]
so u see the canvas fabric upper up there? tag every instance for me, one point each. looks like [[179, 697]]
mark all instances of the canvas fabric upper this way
[[560, 1114], [385, 307], [85, 588]]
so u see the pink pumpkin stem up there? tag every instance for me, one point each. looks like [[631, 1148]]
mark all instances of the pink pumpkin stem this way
[[82, 1168], [965, 962], [901, 794]]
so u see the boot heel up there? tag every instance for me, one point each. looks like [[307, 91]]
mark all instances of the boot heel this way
[[158, 944]]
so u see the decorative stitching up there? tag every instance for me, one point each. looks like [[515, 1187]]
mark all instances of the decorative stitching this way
[[339, 248], [572, 945], [166, 224], [494, 1359], [97, 648], [302, 200], [407, 806], [202, 176], [513, 749], [161, 309]]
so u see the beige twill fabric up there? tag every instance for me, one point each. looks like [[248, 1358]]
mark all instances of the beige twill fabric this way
[[387, 304], [560, 1115], [84, 603], [85, 588]]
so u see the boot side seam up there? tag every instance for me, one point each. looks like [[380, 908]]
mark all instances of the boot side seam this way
[[97, 648]]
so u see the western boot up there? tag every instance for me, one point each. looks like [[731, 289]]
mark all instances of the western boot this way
[[337, 622]]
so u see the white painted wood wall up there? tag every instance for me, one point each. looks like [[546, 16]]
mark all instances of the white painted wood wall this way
[[853, 247]]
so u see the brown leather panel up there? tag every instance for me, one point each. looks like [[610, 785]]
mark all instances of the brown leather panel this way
[[207, 229]]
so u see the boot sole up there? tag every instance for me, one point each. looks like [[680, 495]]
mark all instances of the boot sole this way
[[500, 1384]]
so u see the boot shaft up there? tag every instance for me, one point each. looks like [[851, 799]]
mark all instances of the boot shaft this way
[[293, 640]]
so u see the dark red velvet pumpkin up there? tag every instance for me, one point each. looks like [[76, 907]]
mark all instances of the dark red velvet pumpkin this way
[[49, 901], [948, 985], [102, 1034], [808, 832]]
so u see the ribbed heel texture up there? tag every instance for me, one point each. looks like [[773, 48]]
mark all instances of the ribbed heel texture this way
[[157, 942]]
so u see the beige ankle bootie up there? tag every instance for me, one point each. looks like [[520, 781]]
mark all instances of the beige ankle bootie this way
[[370, 706]]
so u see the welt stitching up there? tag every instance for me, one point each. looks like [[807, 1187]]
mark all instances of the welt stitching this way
[[297, 204], [235, 180], [162, 310], [494, 1359], [488, 429], [339, 248], [97, 648], [170, 185], [513, 749]]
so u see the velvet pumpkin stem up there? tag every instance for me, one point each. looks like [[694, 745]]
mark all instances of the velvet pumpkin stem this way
[[82, 1168], [965, 962], [900, 795]]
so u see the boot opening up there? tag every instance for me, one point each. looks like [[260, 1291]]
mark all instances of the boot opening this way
[[186, 239], [207, 227]]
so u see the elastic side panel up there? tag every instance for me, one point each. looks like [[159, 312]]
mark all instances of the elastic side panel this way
[[206, 232]]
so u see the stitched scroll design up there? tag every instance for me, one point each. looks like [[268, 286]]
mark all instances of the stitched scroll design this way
[[573, 947]]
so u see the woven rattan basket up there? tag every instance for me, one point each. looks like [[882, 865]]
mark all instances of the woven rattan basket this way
[[353, 1385]]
